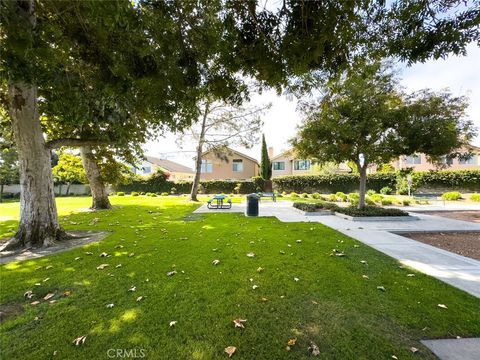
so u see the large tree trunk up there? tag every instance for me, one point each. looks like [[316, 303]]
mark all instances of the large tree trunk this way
[[363, 185], [1, 193], [198, 161], [38, 213], [98, 188]]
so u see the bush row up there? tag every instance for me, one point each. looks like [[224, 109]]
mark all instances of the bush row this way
[[427, 181], [350, 210], [158, 183]]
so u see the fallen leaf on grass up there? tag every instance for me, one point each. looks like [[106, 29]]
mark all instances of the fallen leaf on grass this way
[[80, 340], [131, 254], [88, 253], [140, 298], [133, 288], [365, 277], [381, 288], [251, 254], [443, 306], [298, 241], [413, 349], [94, 221], [171, 273], [215, 262], [410, 275], [239, 323], [103, 254], [172, 323], [363, 262], [230, 350], [339, 254], [264, 299], [48, 296], [46, 279], [51, 302], [292, 342], [259, 269], [314, 302], [48, 267], [109, 306], [78, 258], [296, 279], [102, 266], [118, 266], [314, 349], [35, 303], [118, 246], [29, 294], [67, 293], [282, 252], [255, 287]]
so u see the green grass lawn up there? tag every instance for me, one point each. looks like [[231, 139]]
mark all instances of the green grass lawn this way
[[331, 304]]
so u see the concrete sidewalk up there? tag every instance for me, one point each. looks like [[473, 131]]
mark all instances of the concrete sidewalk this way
[[456, 270]]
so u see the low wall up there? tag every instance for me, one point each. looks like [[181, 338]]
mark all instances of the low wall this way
[[75, 189]]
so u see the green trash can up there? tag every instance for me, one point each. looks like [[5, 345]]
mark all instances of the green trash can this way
[[252, 205]]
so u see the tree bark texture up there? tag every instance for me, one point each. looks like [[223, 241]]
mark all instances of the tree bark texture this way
[[198, 161], [363, 185], [99, 191], [39, 224]]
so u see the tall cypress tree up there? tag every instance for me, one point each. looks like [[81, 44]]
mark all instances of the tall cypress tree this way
[[266, 165]]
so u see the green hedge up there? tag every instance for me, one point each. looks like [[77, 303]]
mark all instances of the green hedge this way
[[346, 183], [426, 181], [157, 183], [350, 210]]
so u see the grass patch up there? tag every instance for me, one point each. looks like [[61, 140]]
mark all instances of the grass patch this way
[[331, 304]]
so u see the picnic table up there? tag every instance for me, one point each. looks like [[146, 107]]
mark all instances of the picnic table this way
[[217, 202]]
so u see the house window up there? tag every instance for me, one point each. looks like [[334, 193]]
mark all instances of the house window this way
[[471, 160], [147, 169], [237, 165], [301, 165], [413, 160], [207, 166], [279, 165], [447, 160]]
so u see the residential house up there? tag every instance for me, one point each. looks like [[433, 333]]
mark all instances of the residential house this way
[[419, 162], [177, 171], [286, 163], [228, 164]]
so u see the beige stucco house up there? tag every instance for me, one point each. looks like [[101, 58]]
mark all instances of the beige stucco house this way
[[228, 164], [419, 162], [177, 171], [286, 163]]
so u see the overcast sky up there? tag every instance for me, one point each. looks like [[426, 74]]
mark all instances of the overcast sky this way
[[461, 75]]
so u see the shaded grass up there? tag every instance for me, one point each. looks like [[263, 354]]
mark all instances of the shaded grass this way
[[331, 304]]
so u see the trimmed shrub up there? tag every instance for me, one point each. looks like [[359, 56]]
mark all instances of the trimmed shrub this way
[[332, 197], [371, 192], [369, 200], [452, 195], [475, 197], [386, 202], [293, 195], [316, 196], [341, 196], [305, 195], [370, 211], [386, 190], [406, 202], [164, 194], [134, 193], [377, 198], [120, 193]]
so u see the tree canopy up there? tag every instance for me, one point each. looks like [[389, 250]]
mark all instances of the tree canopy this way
[[364, 112]]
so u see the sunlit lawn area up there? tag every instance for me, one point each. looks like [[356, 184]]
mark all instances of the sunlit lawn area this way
[[332, 304]]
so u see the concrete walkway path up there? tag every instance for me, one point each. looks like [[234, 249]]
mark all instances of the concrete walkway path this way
[[456, 270]]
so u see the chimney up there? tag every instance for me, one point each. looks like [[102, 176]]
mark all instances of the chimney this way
[[270, 152]]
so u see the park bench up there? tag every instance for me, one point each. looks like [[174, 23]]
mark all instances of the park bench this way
[[427, 198], [268, 195]]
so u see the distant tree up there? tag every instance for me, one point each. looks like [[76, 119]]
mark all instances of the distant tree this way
[[9, 169], [265, 165], [222, 124], [69, 170], [364, 113]]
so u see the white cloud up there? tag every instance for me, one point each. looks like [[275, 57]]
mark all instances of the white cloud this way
[[461, 75]]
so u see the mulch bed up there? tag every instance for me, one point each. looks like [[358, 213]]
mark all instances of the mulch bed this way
[[462, 243], [473, 216]]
